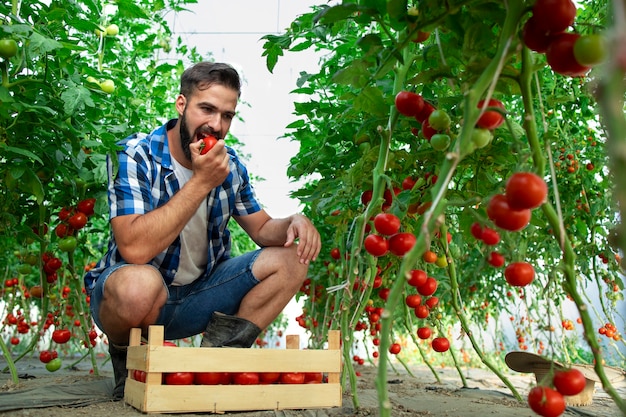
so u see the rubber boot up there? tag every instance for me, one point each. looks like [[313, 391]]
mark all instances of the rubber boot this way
[[229, 331], [118, 360]]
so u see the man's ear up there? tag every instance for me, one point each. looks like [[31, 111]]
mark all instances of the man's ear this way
[[181, 102]]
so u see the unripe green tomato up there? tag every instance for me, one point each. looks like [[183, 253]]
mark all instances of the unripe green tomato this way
[[590, 50], [24, 269], [112, 30], [92, 80], [439, 120], [440, 141], [8, 48], [54, 365], [481, 137], [108, 86], [68, 244]]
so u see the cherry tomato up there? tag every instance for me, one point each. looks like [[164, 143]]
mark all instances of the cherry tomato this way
[[427, 130], [418, 278], [432, 302], [440, 141], [554, 15], [68, 244], [208, 142], [428, 288], [139, 375], [78, 220], [386, 223], [439, 120], [490, 119], [409, 103], [481, 137], [424, 333], [313, 377], [54, 365], [504, 216], [590, 50], [496, 259], [86, 206], [395, 348], [476, 229], [421, 311], [178, 378], [413, 300], [423, 115], [335, 253], [535, 38], [560, 55], [440, 344], [525, 190], [519, 274], [569, 382], [269, 377], [45, 356], [61, 336], [376, 245], [489, 236], [8, 48], [546, 402], [401, 243]]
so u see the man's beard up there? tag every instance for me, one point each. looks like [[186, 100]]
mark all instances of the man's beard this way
[[186, 138]]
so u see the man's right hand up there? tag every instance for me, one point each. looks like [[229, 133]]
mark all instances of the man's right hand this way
[[211, 169]]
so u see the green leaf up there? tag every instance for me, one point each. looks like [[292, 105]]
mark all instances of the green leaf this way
[[76, 98], [41, 45], [301, 46], [336, 13], [372, 101], [23, 152]]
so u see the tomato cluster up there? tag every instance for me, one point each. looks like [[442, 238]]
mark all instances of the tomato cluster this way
[[549, 402], [568, 53], [234, 378]]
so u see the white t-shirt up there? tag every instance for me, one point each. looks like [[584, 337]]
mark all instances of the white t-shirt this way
[[193, 238]]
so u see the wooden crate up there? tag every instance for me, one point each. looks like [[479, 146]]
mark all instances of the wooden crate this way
[[154, 358]]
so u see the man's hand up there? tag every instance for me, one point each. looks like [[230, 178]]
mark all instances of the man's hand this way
[[309, 242]]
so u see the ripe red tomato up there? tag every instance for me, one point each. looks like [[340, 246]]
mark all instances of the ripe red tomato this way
[[211, 378], [45, 356], [496, 259], [413, 300], [401, 243], [490, 119], [208, 142], [423, 115], [476, 229], [78, 221], [561, 58], [313, 377], [427, 131], [178, 378], [546, 402], [428, 288], [139, 375], [86, 206], [554, 15], [245, 378], [383, 293], [409, 103], [408, 183], [535, 38], [376, 245], [440, 344], [395, 348], [61, 336], [335, 253], [61, 230], [525, 190], [366, 197], [504, 216], [424, 333], [519, 274], [292, 378], [432, 302], [422, 311], [489, 236], [569, 382], [386, 223], [418, 278]]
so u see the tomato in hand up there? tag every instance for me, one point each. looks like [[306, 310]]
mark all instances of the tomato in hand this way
[[245, 378], [401, 243], [519, 274], [504, 216], [208, 142], [376, 245], [546, 402], [292, 378], [569, 382], [440, 344], [409, 103], [386, 223], [525, 190], [179, 378], [490, 119]]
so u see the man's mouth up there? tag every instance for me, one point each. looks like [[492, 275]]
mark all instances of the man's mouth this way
[[202, 133]]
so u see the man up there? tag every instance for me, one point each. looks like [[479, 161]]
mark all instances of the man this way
[[168, 261]]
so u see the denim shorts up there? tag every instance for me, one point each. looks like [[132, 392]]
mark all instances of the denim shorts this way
[[189, 307]]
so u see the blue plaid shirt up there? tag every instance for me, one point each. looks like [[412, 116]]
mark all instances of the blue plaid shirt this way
[[146, 180]]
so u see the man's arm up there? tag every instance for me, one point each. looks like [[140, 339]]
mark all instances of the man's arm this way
[[267, 231], [141, 237]]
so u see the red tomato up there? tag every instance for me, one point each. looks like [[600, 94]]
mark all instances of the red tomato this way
[[269, 377], [432, 302], [86, 206], [427, 130], [546, 402], [519, 274], [569, 382], [78, 221], [504, 216], [366, 197], [422, 311], [476, 230], [525, 190], [313, 377], [245, 378], [440, 344], [384, 293], [61, 230], [490, 119], [408, 183], [45, 356], [413, 300], [489, 236], [64, 214], [335, 253], [376, 245], [292, 378], [496, 259], [428, 288], [424, 333], [179, 378], [139, 375], [61, 336], [409, 103], [423, 115], [418, 278], [208, 142], [560, 55], [395, 348], [386, 223], [554, 15], [211, 378], [401, 243], [535, 38]]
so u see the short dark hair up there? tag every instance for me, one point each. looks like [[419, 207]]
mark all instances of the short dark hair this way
[[202, 75]]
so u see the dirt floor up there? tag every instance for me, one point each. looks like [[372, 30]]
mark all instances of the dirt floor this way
[[418, 394]]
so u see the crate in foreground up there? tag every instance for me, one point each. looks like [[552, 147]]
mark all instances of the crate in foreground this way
[[155, 359]]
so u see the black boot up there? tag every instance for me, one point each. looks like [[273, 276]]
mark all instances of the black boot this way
[[230, 331], [118, 360]]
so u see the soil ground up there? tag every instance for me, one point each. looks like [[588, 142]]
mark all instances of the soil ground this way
[[412, 394]]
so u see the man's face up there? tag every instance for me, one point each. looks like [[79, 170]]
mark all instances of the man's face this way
[[208, 111]]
